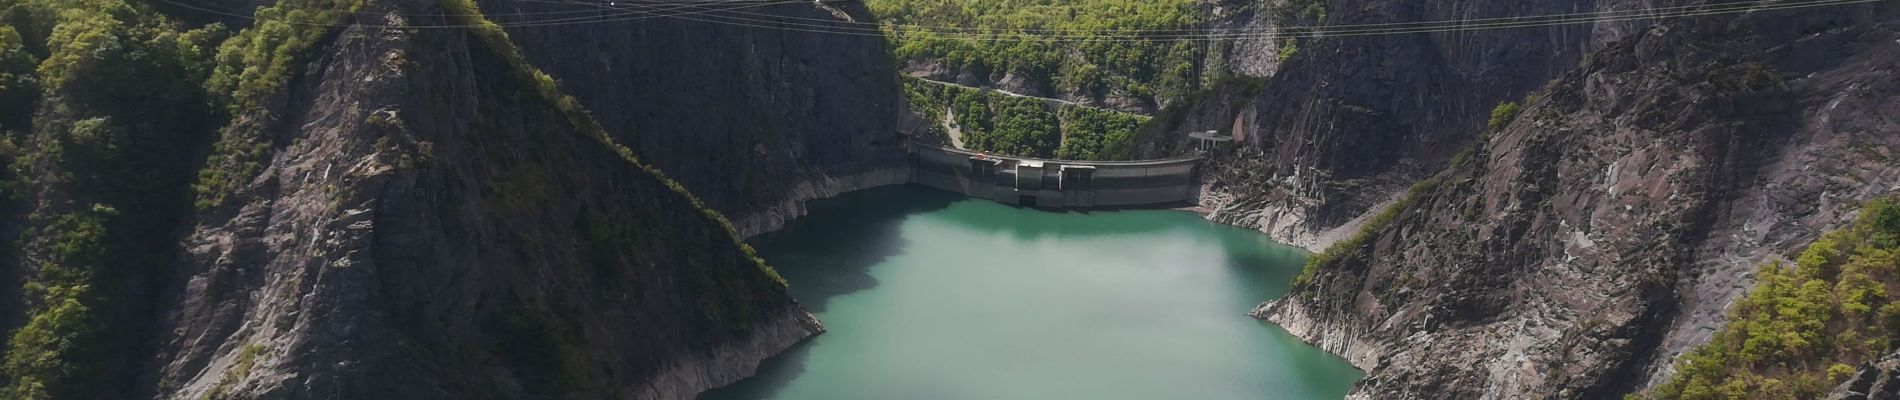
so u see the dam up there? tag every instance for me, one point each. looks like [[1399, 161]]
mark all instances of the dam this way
[[1055, 183]]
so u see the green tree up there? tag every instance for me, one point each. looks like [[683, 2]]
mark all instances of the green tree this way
[[1802, 327]]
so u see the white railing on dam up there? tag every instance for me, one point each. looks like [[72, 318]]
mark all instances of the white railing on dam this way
[[1056, 183]]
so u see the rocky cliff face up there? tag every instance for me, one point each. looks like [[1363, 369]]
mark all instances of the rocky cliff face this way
[[1251, 56], [414, 212], [1346, 122], [755, 119], [431, 225], [1575, 252]]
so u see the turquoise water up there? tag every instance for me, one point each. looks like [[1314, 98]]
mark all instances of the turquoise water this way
[[927, 295]]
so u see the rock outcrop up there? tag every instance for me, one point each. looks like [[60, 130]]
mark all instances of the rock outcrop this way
[[1253, 56], [1576, 251]]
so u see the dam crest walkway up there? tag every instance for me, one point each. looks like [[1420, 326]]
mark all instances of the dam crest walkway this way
[[1056, 183]]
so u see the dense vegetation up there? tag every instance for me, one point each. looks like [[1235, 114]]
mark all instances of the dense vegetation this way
[[1018, 126], [1095, 134], [18, 85], [990, 121], [1146, 69], [1022, 126], [1804, 329], [100, 133]]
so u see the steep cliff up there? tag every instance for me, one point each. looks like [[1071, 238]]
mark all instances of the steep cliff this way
[[1575, 252], [394, 202], [439, 223], [1346, 122], [756, 120], [1255, 56]]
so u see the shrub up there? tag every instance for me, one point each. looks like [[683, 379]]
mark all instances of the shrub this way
[[1503, 114], [1288, 47]]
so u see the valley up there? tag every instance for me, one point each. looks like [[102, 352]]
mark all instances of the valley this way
[[969, 199]]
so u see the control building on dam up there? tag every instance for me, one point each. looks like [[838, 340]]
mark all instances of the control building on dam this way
[[1055, 183]]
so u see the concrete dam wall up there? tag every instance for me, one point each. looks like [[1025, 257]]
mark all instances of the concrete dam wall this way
[[1055, 183]]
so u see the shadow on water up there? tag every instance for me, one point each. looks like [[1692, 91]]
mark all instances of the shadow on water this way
[[1260, 265], [1046, 222], [869, 219], [807, 252]]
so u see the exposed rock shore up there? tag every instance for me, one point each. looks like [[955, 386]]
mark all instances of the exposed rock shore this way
[[687, 377], [809, 189]]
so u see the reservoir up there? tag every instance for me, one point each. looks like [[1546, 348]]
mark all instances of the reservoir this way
[[929, 295]]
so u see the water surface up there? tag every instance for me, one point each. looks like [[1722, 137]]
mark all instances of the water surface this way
[[927, 295]]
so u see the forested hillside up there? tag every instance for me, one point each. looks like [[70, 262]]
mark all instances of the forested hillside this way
[[1808, 326], [1008, 43], [103, 111], [1022, 126], [1108, 62]]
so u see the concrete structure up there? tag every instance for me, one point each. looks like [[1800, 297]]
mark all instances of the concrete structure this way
[[1209, 141], [1055, 183]]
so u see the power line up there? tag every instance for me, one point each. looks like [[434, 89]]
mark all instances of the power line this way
[[705, 11], [1302, 32], [1291, 32], [1196, 30], [599, 18]]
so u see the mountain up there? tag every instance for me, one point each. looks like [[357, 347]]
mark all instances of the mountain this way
[[394, 200], [457, 199], [1552, 212]]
